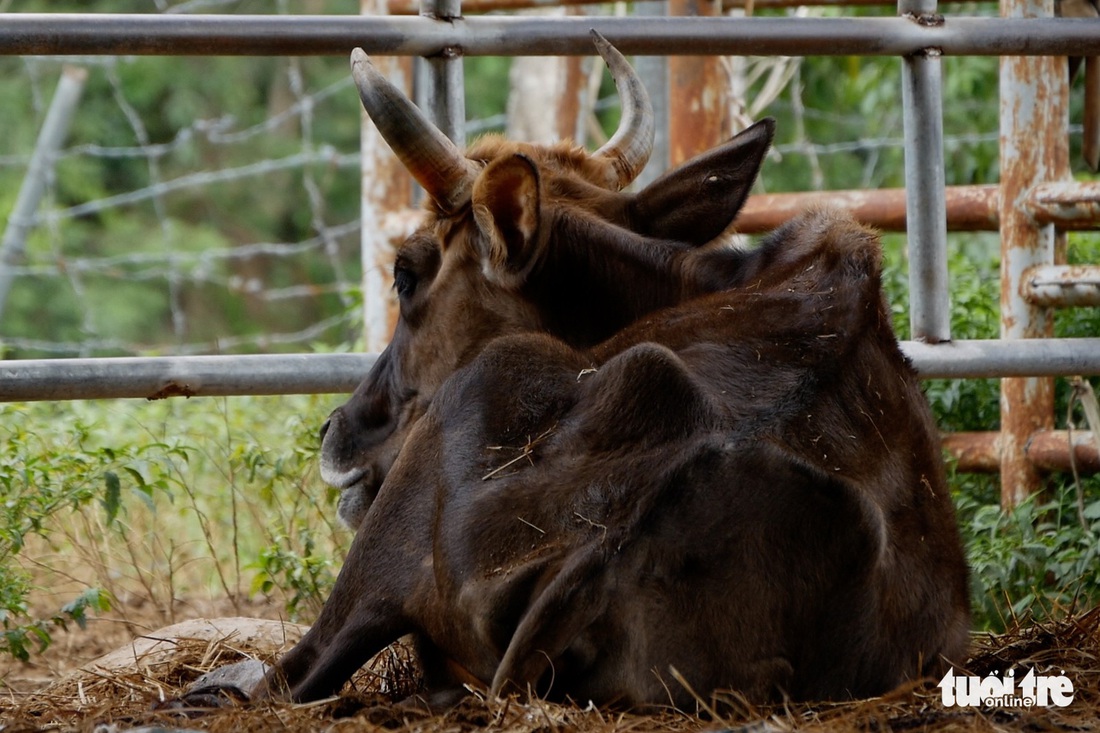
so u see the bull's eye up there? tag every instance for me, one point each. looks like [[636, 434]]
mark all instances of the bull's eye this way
[[404, 281]]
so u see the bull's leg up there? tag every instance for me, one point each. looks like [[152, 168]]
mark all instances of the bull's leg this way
[[561, 612], [375, 599], [330, 653], [349, 631], [317, 667], [364, 614], [445, 682]]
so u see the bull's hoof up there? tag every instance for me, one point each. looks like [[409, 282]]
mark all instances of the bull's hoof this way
[[223, 687], [241, 678]]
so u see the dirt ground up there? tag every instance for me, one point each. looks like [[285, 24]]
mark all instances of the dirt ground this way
[[67, 689]]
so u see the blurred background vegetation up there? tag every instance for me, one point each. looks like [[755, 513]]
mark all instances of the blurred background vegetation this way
[[210, 205]]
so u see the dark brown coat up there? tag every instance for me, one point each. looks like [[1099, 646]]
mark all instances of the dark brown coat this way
[[718, 470]]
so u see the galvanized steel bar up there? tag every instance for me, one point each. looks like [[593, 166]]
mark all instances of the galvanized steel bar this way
[[335, 35], [1034, 117], [1062, 286], [159, 377], [443, 96], [922, 105], [411, 7], [966, 359], [202, 376]]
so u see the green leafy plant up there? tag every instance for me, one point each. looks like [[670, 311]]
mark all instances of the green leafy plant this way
[[104, 498], [35, 489], [21, 634], [296, 566], [1038, 559]]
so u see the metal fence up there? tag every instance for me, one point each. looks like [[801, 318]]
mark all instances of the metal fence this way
[[1035, 202]]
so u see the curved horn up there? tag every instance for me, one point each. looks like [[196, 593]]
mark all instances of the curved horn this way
[[629, 148], [433, 160]]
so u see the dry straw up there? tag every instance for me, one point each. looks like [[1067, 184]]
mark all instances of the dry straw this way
[[106, 700]]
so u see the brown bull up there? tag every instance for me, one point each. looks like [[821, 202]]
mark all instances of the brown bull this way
[[608, 459]]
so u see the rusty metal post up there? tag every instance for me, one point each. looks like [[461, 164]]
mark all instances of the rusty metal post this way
[[1069, 205], [386, 187], [1062, 286], [1034, 150], [969, 208], [699, 115], [1047, 450], [922, 103]]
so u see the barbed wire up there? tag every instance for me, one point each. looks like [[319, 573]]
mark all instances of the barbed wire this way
[[164, 264], [263, 278]]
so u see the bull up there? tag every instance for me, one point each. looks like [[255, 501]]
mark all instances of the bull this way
[[608, 457]]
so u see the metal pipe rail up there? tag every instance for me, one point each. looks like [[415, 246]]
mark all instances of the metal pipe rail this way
[[155, 378], [922, 115], [1062, 286], [412, 7], [969, 208], [1068, 205], [310, 35], [1047, 450]]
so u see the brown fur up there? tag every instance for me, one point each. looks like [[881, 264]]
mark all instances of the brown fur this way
[[601, 454]]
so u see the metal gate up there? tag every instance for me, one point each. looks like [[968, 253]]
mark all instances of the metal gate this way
[[1034, 204]]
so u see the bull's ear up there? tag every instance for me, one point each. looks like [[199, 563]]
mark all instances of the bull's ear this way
[[696, 201], [506, 208]]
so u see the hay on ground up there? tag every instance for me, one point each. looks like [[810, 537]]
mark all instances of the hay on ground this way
[[120, 696]]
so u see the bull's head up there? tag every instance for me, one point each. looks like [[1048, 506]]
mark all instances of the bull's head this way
[[522, 238]]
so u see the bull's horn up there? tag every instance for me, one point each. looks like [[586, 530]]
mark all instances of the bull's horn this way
[[433, 160], [629, 148]]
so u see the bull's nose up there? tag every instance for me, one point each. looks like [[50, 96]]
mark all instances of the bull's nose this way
[[324, 429]]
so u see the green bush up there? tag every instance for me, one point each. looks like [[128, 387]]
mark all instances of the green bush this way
[[1040, 559], [38, 482], [112, 488]]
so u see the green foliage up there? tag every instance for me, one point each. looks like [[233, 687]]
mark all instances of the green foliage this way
[[486, 86], [104, 485], [38, 485], [297, 567], [1083, 249], [21, 635], [162, 120], [1043, 557]]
